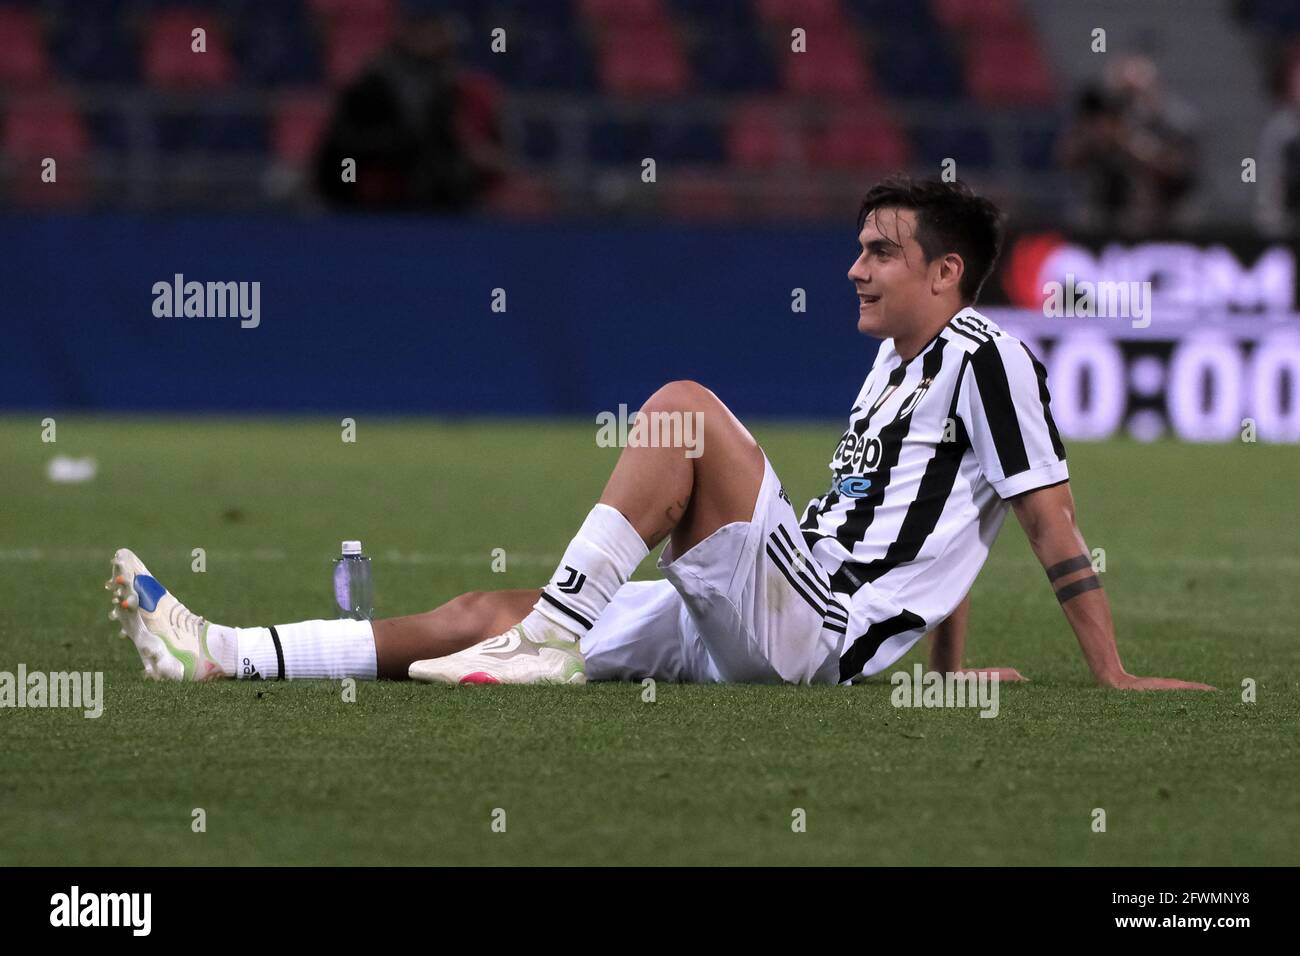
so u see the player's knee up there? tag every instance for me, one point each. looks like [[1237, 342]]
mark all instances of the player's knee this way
[[682, 395]]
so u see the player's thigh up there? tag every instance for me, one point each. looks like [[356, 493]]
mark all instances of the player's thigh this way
[[728, 462]]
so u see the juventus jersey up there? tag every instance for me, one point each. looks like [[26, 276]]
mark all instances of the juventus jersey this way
[[935, 446]]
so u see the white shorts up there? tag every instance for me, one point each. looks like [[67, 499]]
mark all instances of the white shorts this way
[[748, 604]]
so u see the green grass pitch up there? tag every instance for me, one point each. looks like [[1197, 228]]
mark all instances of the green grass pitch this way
[[1201, 567]]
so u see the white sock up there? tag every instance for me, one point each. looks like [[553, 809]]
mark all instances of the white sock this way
[[599, 560], [306, 650], [223, 644]]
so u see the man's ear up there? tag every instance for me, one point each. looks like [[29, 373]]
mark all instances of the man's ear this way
[[948, 275]]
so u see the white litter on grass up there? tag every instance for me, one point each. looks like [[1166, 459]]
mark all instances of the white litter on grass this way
[[64, 470]]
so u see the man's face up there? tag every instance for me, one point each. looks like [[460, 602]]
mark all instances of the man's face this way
[[891, 275]]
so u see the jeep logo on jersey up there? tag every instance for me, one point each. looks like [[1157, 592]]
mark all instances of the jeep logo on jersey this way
[[856, 453], [914, 398], [573, 583]]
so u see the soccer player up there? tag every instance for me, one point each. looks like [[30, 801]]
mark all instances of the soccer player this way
[[951, 429]]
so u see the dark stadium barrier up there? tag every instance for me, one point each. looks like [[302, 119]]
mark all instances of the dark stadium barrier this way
[[395, 315], [410, 316]]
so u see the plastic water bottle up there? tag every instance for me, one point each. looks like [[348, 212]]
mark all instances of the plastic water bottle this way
[[354, 592]]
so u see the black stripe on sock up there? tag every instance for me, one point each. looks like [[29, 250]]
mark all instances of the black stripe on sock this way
[[567, 610], [279, 652]]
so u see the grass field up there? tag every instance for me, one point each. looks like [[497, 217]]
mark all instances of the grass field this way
[[1203, 571]]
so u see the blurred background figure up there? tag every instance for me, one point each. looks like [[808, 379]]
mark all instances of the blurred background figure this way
[[1133, 145], [1279, 160], [424, 133]]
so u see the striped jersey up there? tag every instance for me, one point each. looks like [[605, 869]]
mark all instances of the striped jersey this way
[[935, 446]]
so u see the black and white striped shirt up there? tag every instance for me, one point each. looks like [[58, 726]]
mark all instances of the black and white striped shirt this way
[[935, 446]]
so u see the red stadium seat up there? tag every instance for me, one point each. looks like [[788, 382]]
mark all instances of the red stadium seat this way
[[350, 45], [700, 195], [521, 195], [833, 65], [40, 126], [612, 13], [763, 134], [964, 15], [300, 119], [23, 61], [169, 58], [1007, 69], [860, 137], [356, 10], [354, 32], [642, 60], [801, 13]]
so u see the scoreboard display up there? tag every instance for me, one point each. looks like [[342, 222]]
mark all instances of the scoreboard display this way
[[1199, 342]]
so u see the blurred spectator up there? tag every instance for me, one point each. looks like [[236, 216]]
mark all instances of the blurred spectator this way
[[1135, 147], [1278, 168], [423, 132]]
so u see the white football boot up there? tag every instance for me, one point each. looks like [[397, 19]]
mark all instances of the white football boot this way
[[509, 658], [173, 643]]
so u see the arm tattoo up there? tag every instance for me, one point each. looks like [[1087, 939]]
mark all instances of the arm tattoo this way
[[1090, 583], [1068, 566]]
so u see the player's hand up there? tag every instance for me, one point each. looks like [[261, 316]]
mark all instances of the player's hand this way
[[1001, 673], [1130, 682]]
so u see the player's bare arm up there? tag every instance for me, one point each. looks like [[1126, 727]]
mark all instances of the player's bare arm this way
[[948, 644], [1047, 516]]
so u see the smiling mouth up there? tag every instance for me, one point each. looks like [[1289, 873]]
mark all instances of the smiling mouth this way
[[865, 299]]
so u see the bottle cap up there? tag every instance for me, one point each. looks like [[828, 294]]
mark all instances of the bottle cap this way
[[351, 547]]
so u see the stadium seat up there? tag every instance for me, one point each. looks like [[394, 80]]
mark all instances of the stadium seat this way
[[276, 46], [988, 16], [44, 125], [169, 60], [699, 195], [730, 12], [834, 65], [521, 195], [731, 60], [354, 10], [762, 133], [624, 13], [90, 43], [890, 14], [549, 59], [916, 64], [300, 119], [1007, 69], [784, 14], [23, 60], [350, 45], [642, 60], [860, 137]]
